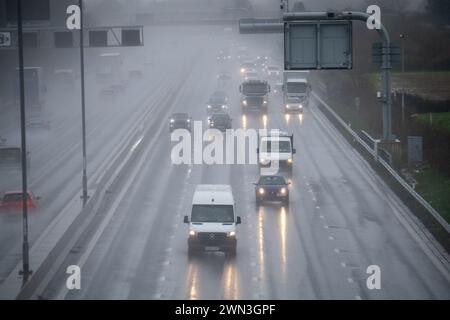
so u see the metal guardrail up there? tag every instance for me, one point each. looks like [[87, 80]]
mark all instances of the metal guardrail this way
[[385, 155], [373, 143], [368, 139], [376, 154]]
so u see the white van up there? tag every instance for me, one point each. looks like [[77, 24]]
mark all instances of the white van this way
[[275, 145], [212, 222]]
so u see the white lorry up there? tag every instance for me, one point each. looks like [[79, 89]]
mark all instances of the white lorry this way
[[296, 91], [213, 221]]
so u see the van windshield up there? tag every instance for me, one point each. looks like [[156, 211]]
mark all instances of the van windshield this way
[[278, 146], [212, 213]]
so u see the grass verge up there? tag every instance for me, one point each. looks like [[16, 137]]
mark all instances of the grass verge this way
[[435, 189], [439, 120]]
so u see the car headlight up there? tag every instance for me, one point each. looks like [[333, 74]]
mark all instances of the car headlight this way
[[192, 233], [211, 124], [283, 190], [224, 106], [209, 106], [244, 102], [261, 191], [287, 106], [264, 102], [242, 70], [172, 120], [264, 161], [188, 120], [232, 233], [301, 106], [289, 160]]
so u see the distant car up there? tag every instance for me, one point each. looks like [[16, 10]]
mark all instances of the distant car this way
[[223, 76], [37, 122], [180, 121], [220, 121], [216, 104], [272, 188], [242, 52], [12, 201], [251, 75], [220, 94], [247, 65], [273, 71], [262, 61], [223, 56], [278, 87], [223, 80]]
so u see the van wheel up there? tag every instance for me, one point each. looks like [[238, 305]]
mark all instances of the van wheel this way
[[231, 252], [192, 252]]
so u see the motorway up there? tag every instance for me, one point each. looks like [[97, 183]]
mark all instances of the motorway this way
[[342, 217]]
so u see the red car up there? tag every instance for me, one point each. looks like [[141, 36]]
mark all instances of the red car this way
[[12, 201]]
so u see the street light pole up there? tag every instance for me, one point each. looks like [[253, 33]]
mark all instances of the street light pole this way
[[26, 272], [83, 107], [403, 36]]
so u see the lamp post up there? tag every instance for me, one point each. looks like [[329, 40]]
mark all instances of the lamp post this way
[[84, 195], [25, 272], [402, 37]]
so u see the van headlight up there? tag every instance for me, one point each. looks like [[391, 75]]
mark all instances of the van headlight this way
[[289, 160], [192, 233], [231, 234], [261, 191], [209, 106], [244, 102], [264, 102], [242, 70], [283, 190], [224, 106], [172, 120]]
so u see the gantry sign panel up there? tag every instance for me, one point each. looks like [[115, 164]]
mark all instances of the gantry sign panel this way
[[318, 45], [41, 37]]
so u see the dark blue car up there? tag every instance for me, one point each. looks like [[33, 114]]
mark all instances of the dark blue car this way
[[272, 188]]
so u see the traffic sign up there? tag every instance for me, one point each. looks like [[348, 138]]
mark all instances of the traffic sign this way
[[5, 39], [318, 45], [378, 50]]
